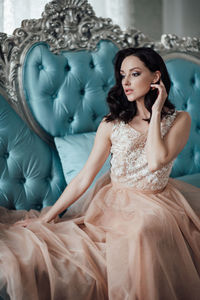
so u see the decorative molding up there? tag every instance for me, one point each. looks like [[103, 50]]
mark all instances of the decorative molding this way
[[72, 25], [185, 44], [172, 43]]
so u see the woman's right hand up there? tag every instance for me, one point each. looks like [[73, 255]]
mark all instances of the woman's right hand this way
[[42, 219], [26, 222]]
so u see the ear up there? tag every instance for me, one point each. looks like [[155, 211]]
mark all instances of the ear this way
[[157, 76]]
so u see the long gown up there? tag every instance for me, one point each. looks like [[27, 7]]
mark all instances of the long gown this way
[[135, 235]]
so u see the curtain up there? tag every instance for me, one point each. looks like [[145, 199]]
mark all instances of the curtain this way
[[14, 11], [1, 15]]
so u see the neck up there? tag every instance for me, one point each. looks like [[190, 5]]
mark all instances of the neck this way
[[142, 112]]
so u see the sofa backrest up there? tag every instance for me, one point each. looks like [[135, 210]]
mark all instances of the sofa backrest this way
[[55, 73], [184, 72], [71, 87]]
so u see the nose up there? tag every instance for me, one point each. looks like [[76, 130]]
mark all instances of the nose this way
[[126, 80]]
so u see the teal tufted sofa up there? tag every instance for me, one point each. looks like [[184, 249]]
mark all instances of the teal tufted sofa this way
[[30, 171], [185, 93], [55, 73]]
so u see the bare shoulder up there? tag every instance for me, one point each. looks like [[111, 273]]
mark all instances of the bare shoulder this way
[[183, 117], [181, 124], [105, 128], [183, 114]]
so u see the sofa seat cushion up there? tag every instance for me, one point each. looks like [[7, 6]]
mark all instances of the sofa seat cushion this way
[[193, 179]]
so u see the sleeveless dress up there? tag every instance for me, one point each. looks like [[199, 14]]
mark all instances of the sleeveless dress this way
[[135, 235]]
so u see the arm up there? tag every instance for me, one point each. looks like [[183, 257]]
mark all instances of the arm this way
[[83, 180], [161, 151]]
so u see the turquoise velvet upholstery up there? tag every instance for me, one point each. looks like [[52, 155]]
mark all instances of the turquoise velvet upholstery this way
[[30, 171], [74, 151], [185, 94], [71, 87]]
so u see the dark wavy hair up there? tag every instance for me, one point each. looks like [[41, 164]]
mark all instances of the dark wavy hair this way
[[120, 107]]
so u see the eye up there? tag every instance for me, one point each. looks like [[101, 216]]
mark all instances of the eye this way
[[135, 74]]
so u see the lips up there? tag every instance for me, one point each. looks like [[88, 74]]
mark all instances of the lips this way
[[128, 91]]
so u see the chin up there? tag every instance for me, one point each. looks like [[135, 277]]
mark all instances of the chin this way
[[131, 99]]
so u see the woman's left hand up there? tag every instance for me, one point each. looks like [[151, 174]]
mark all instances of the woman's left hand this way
[[162, 95]]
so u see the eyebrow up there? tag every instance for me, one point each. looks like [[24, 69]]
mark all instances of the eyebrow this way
[[131, 69]]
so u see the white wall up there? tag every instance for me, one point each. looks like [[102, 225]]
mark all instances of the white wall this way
[[181, 17], [99, 7], [120, 11], [14, 11], [148, 17]]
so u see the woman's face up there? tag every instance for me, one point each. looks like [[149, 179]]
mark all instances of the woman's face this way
[[136, 78]]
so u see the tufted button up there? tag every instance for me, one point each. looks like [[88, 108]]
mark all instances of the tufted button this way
[[91, 64], [38, 206], [54, 96], [22, 180], [192, 153], [49, 178], [198, 128], [40, 67], [67, 68], [70, 119], [82, 92], [192, 80], [94, 116], [6, 155], [184, 106], [104, 87]]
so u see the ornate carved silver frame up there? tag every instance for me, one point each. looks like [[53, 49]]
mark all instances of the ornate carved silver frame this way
[[71, 25]]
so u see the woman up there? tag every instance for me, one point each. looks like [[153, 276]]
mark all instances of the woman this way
[[135, 235]]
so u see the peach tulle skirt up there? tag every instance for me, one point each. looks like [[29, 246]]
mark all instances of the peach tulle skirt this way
[[114, 243]]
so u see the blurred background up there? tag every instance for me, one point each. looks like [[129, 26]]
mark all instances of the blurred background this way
[[152, 17]]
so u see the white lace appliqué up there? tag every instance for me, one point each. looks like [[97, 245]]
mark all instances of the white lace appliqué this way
[[129, 163]]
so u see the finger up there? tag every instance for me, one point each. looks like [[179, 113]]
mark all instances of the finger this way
[[21, 223], [160, 87], [156, 86], [18, 224]]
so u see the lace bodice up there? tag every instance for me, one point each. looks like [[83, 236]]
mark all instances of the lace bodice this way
[[129, 163]]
